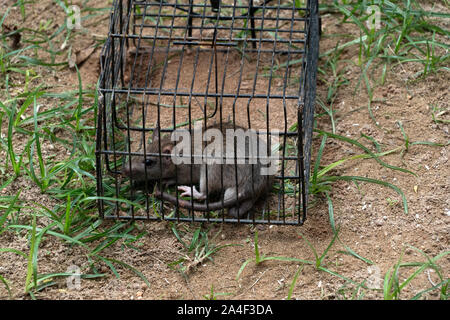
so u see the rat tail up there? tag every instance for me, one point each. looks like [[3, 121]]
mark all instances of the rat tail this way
[[212, 206]]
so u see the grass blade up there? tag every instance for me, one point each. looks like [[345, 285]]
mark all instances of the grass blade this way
[[6, 285], [20, 253], [364, 179], [330, 211], [131, 268], [294, 281], [242, 268], [356, 143], [30, 267], [9, 210]]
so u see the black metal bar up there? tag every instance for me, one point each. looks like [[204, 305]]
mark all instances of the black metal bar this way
[[200, 219], [197, 94], [215, 4], [207, 40], [234, 121], [251, 12], [186, 6], [99, 132], [155, 154], [265, 41]]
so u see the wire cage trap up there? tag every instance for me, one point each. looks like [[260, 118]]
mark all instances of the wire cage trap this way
[[185, 64]]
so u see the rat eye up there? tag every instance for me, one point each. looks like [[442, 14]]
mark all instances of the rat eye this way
[[149, 162]]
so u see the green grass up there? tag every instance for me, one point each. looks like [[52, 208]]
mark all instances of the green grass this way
[[71, 180], [212, 295], [197, 250], [408, 34], [319, 264], [393, 286]]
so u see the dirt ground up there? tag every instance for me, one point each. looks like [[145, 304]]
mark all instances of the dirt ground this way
[[370, 217]]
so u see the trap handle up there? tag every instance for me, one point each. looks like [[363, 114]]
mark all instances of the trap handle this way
[[215, 4]]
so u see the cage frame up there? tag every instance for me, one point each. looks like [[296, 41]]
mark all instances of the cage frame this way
[[112, 62]]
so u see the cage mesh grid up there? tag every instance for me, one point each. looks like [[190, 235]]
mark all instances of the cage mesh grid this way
[[172, 63]]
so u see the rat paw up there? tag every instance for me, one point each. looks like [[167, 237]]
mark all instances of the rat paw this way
[[191, 192]]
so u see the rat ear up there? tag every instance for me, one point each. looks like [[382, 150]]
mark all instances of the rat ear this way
[[155, 135], [167, 149]]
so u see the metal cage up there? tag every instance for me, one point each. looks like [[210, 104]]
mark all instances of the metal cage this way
[[167, 64]]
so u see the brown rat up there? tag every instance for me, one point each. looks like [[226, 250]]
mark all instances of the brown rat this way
[[213, 178], [154, 168]]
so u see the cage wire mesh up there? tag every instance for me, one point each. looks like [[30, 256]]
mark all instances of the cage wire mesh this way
[[169, 65]]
